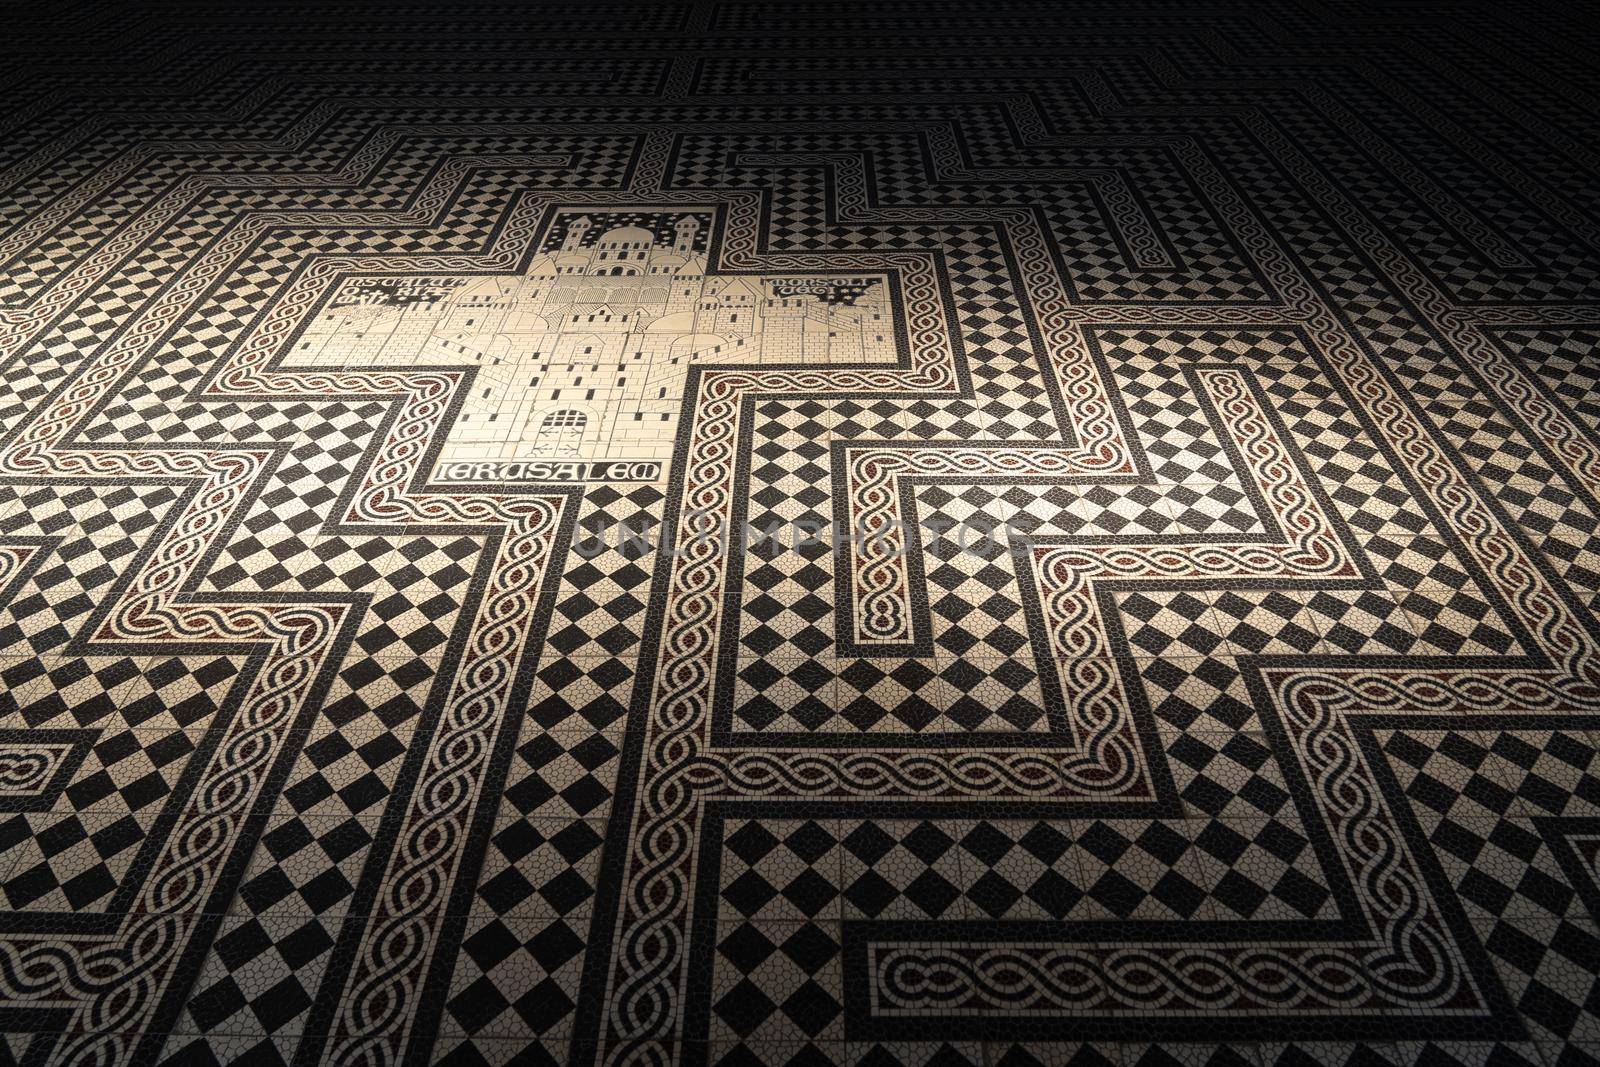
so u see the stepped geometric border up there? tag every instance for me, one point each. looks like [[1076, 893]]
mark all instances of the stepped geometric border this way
[[294, 642]]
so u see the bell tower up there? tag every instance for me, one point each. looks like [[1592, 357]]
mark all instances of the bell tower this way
[[685, 229], [575, 231]]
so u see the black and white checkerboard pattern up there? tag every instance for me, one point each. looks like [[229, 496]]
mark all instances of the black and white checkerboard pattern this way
[[1358, 813]]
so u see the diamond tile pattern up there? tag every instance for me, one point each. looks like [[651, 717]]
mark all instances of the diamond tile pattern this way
[[899, 535]]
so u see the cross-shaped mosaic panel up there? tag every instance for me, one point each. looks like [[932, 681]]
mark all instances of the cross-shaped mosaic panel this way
[[742, 536]]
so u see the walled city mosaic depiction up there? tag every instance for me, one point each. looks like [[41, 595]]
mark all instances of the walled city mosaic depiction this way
[[1213, 673]]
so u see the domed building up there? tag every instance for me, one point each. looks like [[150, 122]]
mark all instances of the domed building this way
[[586, 355]]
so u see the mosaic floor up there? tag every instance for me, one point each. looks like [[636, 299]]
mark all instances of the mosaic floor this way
[[714, 533]]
